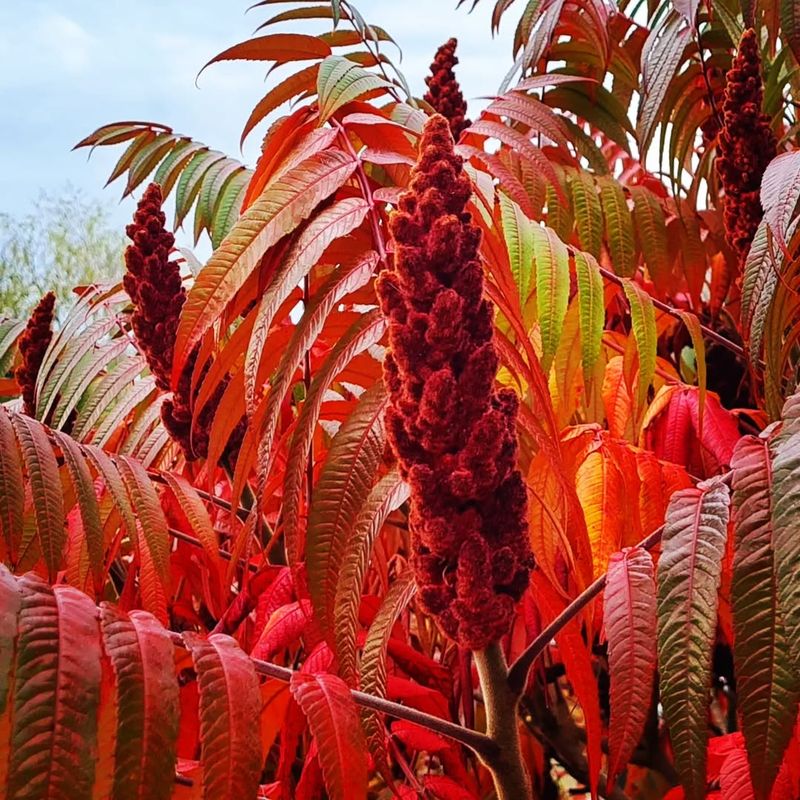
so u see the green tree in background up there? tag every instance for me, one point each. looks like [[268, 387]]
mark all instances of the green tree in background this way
[[66, 240]]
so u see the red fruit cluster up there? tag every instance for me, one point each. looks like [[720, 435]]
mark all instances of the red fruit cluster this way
[[33, 345], [153, 283], [746, 145], [444, 93], [451, 430]]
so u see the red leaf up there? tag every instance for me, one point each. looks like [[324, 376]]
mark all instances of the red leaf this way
[[767, 683], [578, 664], [230, 700], [283, 629], [672, 431], [333, 718], [630, 622], [689, 572]]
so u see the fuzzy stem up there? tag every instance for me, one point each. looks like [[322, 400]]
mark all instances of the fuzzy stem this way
[[508, 770]]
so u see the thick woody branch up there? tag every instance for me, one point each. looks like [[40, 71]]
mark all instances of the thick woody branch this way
[[511, 780]]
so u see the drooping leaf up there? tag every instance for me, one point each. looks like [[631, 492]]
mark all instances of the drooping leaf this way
[[340, 81], [41, 468], [278, 211], [651, 233], [341, 491], [230, 700], [373, 661], [689, 573], [87, 502], [592, 310], [10, 604], [630, 623], [12, 496], [785, 449], [661, 56], [333, 718], [618, 227], [552, 289], [387, 495], [643, 322], [767, 686], [56, 693]]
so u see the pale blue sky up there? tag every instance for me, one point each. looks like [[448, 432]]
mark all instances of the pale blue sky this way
[[69, 66]]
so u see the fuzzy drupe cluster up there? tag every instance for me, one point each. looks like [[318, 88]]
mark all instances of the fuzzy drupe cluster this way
[[444, 93], [33, 345], [746, 145], [452, 431]]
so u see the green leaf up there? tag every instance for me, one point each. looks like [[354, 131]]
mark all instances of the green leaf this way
[[618, 227], [767, 685], [101, 397], [689, 574], [341, 491], [643, 322], [340, 81], [75, 349], [588, 211], [552, 289], [333, 718], [591, 299], [92, 364], [518, 233], [651, 233]]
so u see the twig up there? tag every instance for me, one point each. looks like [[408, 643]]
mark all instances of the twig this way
[[518, 673], [478, 742], [667, 309]]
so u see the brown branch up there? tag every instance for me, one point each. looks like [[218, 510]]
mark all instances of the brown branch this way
[[481, 744], [511, 780], [518, 673], [673, 312]]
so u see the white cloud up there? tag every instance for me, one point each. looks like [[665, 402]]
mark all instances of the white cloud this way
[[68, 44], [40, 47]]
